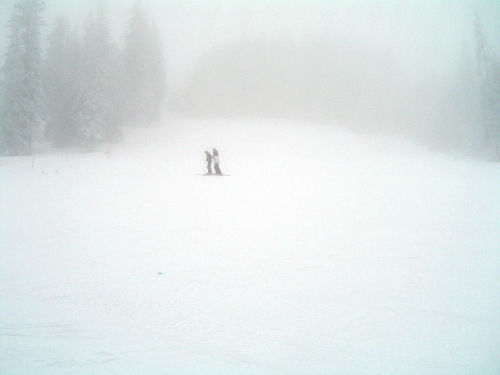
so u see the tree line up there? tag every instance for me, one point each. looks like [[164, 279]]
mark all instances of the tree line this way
[[342, 81], [73, 89], [77, 90], [488, 72]]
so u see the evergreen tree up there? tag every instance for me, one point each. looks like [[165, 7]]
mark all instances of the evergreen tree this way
[[61, 82], [489, 76], [145, 79], [98, 117], [158, 76], [21, 107], [495, 106], [91, 104]]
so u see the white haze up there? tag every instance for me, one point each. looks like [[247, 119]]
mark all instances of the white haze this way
[[325, 251], [399, 66], [403, 67], [425, 35]]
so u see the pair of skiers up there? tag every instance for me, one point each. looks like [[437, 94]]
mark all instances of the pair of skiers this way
[[215, 157]]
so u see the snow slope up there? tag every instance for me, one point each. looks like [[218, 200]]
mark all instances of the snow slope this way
[[324, 252]]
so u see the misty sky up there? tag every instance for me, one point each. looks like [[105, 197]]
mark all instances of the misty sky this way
[[424, 35]]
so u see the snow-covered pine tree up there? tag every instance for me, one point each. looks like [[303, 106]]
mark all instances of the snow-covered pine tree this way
[[489, 76], [22, 103], [98, 117], [91, 104], [158, 77], [111, 70], [61, 83], [495, 106], [145, 79]]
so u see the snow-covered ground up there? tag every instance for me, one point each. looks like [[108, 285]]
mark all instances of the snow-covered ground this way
[[324, 252]]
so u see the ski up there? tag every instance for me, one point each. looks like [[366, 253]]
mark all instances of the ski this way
[[214, 174]]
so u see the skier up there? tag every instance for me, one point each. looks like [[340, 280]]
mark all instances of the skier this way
[[216, 161], [209, 162]]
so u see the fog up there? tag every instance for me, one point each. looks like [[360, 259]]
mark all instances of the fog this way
[[424, 35], [339, 240], [403, 66]]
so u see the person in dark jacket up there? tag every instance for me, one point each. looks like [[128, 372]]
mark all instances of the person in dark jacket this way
[[209, 162], [216, 161]]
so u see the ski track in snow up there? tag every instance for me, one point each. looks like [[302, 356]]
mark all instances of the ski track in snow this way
[[324, 252]]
